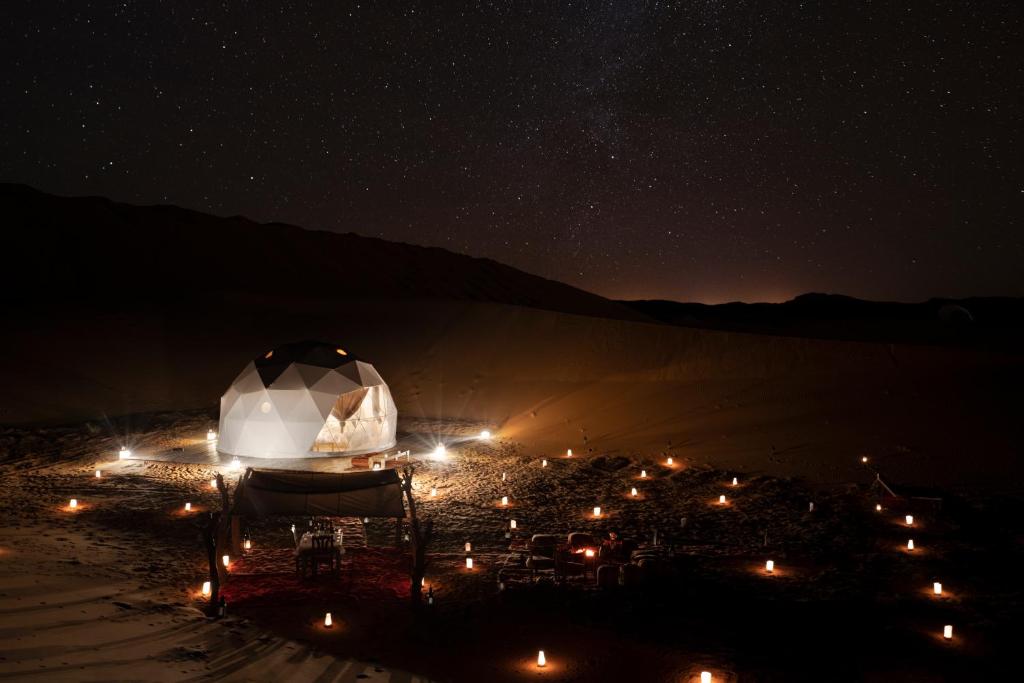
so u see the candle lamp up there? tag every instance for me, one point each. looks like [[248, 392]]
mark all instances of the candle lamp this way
[[769, 566], [937, 588], [947, 632], [910, 544], [589, 552], [73, 503], [542, 661], [597, 510], [632, 491], [735, 481], [669, 460], [328, 622], [504, 500], [226, 560], [512, 524], [206, 588], [469, 546], [643, 474], [248, 544], [188, 507], [98, 474], [721, 499], [469, 563], [433, 491], [878, 507], [544, 463], [910, 520], [705, 677]]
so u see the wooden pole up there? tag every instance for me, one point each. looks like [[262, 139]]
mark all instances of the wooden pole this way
[[420, 537]]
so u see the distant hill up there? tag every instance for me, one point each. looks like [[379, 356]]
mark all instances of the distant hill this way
[[996, 322], [61, 251]]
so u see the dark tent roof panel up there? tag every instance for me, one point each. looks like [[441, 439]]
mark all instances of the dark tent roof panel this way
[[266, 493]]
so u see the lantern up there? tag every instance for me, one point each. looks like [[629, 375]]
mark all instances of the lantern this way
[[542, 660], [433, 491], [910, 520], [589, 552], [469, 563], [485, 435], [213, 483], [328, 622], [669, 461], [469, 546], [376, 466], [864, 458], [643, 474], [503, 476], [947, 632], [73, 503], [937, 588], [735, 481], [769, 566], [248, 544], [188, 507], [721, 499], [632, 491], [544, 463], [211, 435], [504, 500], [98, 474], [910, 544], [705, 677], [512, 524], [597, 510], [124, 453], [878, 507], [206, 588], [568, 453], [225, 559]]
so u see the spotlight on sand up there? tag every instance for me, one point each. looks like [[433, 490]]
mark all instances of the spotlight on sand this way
[[542, 661], [440, 452], [124, 453], [485, 435]]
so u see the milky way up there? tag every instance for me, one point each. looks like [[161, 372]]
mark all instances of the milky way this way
[[698, 151]]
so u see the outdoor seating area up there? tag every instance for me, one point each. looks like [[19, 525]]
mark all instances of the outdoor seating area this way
[[584, 558], [321, 546]]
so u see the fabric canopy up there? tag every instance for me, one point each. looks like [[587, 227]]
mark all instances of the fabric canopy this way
[[264, 493]]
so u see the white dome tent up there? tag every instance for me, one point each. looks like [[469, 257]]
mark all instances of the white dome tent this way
[[307, 399]]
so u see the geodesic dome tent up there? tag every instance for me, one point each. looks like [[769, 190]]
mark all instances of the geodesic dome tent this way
[[307, 399]]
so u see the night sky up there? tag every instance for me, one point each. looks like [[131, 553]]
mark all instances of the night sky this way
[[700, 151]]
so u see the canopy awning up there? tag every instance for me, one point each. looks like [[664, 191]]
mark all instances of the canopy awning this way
[[265, 493]]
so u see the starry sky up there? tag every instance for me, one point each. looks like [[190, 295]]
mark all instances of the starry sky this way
[[699, 151]]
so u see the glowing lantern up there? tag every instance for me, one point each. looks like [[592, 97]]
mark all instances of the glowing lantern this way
[[705, 677], [248, 544], [910, 520], [328, 622], [878, 507], [213, 483], [188, 507], [947, 632], [544, 463], [440, 452], [124, 454], [469, 546], [469, 563], [376, 466], [589, 552], [568, 453], [810, 507], [769, 566], [504, 500], [632, 491], [98, 474], [543, 661], [864, 458], [423, 581], [503, 476], [206, 587], [937, 588], [670, 461], [225, 559], [512, 524], [721, 499], [211, 435], [433, 491], [73, 503], [735, 481], [643, 474], [910, 544], [485, 434], [597, 510]]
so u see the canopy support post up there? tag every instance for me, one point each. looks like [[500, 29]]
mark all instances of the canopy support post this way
[[236, 535], [398, 532]]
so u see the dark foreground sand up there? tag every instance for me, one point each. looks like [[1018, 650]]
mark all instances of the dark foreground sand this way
[[109, 591]]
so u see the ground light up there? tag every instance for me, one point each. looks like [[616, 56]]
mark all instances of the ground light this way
[[947, 632], [469, 546], [910, 544], [544, 463], [206, 588], [643, 474], [328, 622], [433, 492], [213, 483], [485, 435], [542, 661], [73, 503], [469, 563], [632, 491], [769, 566], [864, 459], [910, 520], [188, 507], [568, 453], [235, 465], [504, 501], [721, 499], [937, 588], [248, 544], [735, 481], [211, 435], [98, 474], [226, 560], [124, 453], [440, 452], [878, 507], [597, 510], [504, 476], [512, 524], [705, 677], [669, 460]]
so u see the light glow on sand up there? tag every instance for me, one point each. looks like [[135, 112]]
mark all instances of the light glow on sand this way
[[484, 435], [124, 453], [769, 566], [469, 563], [705, 677], [440, 452], [910, 520], [597, 510], [937, 588], [542, 661], [328, 622], [947, 632]]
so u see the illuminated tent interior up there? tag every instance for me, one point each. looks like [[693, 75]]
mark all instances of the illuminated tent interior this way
[[307, 399]]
